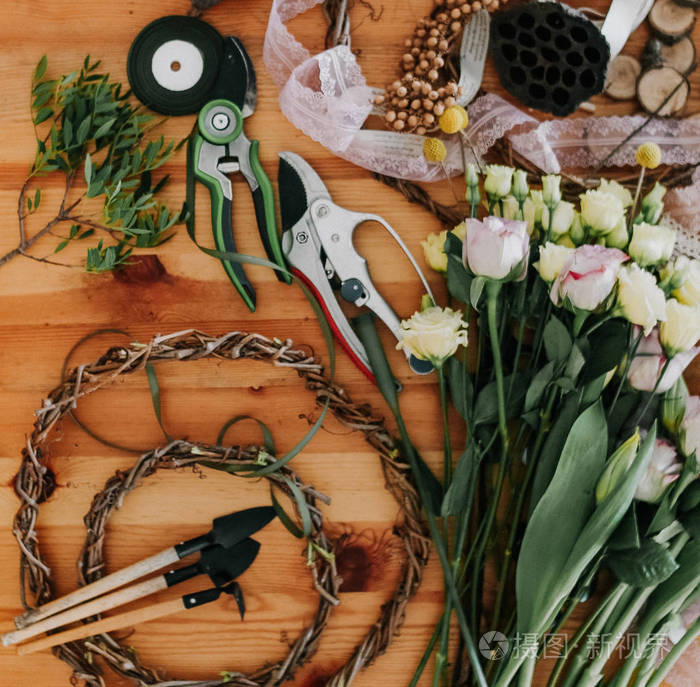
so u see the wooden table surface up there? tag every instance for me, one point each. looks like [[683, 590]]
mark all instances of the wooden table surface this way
[[45, 309]]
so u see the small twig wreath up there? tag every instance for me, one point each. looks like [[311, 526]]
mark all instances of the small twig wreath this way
[[35, 483]]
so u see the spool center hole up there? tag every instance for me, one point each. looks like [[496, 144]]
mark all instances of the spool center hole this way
[[175, 66]]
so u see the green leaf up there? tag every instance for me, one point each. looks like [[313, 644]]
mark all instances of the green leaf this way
[[104, 128], [89, 169], [40, 68], [42, 115], [691, 522], [154, 388], [538, 385], [460, 386], [61, 246], [626, 536], [609, 342], [475, 290], [302, 506], [83, 130], [575, 363], [559, 518], [267, 434], [646, 566], [37, 198], [459, 281], [557, 341], [486, 406], [461, 486]]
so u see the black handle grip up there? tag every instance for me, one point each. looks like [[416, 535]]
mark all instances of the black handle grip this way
[[181, 574], [200, 598], [187, 548], [261, 219]]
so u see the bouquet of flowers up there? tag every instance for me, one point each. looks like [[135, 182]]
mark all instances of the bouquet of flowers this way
[[578, 475]]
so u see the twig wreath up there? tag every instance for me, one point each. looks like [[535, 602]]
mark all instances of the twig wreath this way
[[35, 483]]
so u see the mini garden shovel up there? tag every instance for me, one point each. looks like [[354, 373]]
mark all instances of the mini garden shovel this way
[[227, 531], [141, 615], [221, 565]]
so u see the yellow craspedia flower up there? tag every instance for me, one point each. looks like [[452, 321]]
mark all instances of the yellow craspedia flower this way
[[453, 119], [434, 150], [648, 155]]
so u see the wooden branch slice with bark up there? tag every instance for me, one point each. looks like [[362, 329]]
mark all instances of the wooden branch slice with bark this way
[[654, 86], [671, 22], [621, 80], [680, 56]]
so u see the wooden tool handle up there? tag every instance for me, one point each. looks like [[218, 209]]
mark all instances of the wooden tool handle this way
[[105, 584], [116, 622], [99, 605]]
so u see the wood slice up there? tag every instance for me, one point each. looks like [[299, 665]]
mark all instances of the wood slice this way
[[670, 21], [621, 80], [655, 85], [680, 56]]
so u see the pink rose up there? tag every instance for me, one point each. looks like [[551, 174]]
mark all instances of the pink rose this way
[[588, 276], [649, 360], [690, 427], [495, 247]]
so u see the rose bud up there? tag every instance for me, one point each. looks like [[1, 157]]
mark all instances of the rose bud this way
[[617, 466], [639, 299], [618, 190], [499, 179], [601, 211], [680, 330], [552, 260], [663, 470], [690, 427], [562, 220], [651, 245], [688, 274]]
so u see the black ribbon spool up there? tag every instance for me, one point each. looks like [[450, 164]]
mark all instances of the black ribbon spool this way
[[202, 36], [548, 56]]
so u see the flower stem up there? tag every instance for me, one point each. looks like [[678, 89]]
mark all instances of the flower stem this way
[[664, 367], [688, 638], [628, 362], [446, 445]]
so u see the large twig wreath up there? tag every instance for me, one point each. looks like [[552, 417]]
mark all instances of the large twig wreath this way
[[35, 483]]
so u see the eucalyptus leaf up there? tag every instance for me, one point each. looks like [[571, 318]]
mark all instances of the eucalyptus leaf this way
[[43, 114], [40, 68], [646, 566]]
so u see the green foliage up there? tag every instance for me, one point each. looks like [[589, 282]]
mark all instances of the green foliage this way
[[84, 122], [645, 566]]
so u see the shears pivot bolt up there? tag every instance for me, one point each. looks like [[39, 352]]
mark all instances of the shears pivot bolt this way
[[302, 237]]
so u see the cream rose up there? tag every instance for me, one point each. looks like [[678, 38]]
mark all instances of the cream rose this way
[[433, 334], [681, 329], [639, 299], [651, 245], [617, 190], [601, 211], [688, 292], [434, 251], [499, 179], [562, 218], [552, 261]]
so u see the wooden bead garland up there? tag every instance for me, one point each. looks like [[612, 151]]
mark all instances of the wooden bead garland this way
[[415, 101]]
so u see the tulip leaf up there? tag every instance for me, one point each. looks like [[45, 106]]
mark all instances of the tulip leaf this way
[[568, 502], [460, 385], [557, 340], [486, 406], [460, 487], [646, 566]]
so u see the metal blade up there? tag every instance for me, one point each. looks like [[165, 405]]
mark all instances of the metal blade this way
[[225, 565], [233, 80], [251, 96], [230, 529], [299, 186]]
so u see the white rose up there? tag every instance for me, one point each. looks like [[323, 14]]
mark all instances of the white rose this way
[[617, 190], [434, 251], [639, 299], [601, 211], [690, 427], [499, 179], [651, 244], [433, 334], [663, 469], [681, 329], [689, 292], [562, 219], [552, 260]]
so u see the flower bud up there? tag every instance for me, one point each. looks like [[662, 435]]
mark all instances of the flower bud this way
[[552, 260], [511, 209], [498, 181], [576, 230], [690, 427], [434, 251], [663, 470], [652, 205], [471, 176], [619, 236], [681, 329], [520, 188], [688, 292], [551, 193], [433, 334], [562, 218], [651, 245], [617, 466], [673, 275], [639, 300], [673, 406]]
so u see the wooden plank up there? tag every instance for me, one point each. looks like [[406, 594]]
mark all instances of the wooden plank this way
[[44, 310]]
